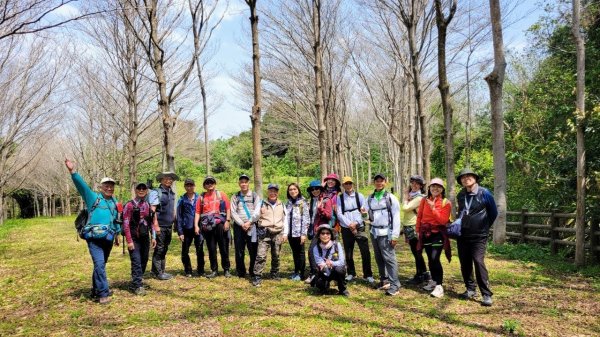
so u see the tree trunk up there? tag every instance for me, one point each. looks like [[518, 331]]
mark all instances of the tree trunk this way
[[318, 67], [205, 119], [442, 25], [1, 205], [495, 80], [256, 108], [581, 118]]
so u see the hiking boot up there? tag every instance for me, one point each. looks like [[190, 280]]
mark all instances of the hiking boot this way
[[227, 274], [430, 285], [487, 301], [438, 291], [468, 294], [416, 280], [213, 274], [201, 273], [349, 278], [392, 292], [370, 280], [383, 286], [104, 300], [256, 281], [140, 291], [344, 293], [164, 276], [275, 276], [296, 277], [309, 279], [426, 276], [95, 296]]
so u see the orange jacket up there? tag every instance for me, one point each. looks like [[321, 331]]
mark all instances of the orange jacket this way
[[438, 216]]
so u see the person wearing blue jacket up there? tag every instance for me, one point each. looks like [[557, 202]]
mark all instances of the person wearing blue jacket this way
[[101, 228], [186, 210], [330, 260], [478, 212]]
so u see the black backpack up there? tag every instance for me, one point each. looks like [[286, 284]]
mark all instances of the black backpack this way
[[83, 217], [344, 210]]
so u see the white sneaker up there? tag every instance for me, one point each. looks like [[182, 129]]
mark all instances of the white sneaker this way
[[371, 280], [349, 278], [309, 279], [438, 291], [430, 285]]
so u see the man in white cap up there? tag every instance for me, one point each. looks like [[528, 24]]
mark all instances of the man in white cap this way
[[163, 203]]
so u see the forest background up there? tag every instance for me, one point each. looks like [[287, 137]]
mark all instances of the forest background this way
[[99, 83]]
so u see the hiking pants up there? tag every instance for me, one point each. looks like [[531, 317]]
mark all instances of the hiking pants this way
[[159, 258], [218, 237], [418, 255], [434, 247], [311, 257], [363, 245], [471, 251], [385, 256], [272, 241], [338, 274], [298, 255], [139, 260], [99, 251], [190, 236], [241, 241]]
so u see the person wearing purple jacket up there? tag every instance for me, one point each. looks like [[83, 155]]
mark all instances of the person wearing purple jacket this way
[[477, 212], [331, 262]]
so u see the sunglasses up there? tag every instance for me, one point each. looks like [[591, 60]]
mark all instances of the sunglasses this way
[[325, 233]]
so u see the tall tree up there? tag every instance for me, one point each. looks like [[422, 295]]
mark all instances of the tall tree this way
[[255, 117], [442, 23], [580, 116], [318, 67], [495, 81]]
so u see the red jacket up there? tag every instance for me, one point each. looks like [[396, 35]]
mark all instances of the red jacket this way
[[438, 216]]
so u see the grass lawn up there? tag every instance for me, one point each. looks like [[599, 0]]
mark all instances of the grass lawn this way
[[45, 279]]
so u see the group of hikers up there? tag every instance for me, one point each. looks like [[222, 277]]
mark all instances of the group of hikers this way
[[333, 211]]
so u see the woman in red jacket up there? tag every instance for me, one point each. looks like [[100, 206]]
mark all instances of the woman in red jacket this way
[[432, 218]]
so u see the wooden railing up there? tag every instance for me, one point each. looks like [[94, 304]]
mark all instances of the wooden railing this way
[[556, 229]]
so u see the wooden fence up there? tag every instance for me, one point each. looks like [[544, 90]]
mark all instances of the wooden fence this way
[[556, 229]]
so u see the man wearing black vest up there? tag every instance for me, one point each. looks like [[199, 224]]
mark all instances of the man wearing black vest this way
[[349, 205], [162, 200], [245, 212]]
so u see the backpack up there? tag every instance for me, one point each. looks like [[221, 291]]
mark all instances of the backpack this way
[[388, 206], [210, 221], [136, 228], [358, 205], [82, 219]]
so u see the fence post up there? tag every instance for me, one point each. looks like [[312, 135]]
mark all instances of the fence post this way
[[523, 223], [554, 221], [594, 241]]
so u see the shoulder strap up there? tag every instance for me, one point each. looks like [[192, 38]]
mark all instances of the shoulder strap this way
[[388, 205], [342, 203], [358, 205]]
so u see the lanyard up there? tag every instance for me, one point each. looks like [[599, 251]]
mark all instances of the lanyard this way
[[468, 204]]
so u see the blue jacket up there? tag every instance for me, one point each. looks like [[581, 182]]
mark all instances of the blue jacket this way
[[105, 212], [186, 210]]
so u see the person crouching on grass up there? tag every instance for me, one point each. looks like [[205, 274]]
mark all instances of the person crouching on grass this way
[[331, 262], [432, 218]]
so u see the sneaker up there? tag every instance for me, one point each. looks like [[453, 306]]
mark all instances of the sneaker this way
[[296, 278], [392, 293], [201, 273], [487, 301], [468, 294], [416, 280], [95, 296], [438, 291], [349, 278], [140, 291], [104, 300], [227, 274], [430, 285], [164, 276], [188, 274], [256, 282], [212, 275], [309, 279], [383, 286], [344, 293], [371, 280], [293, 276]]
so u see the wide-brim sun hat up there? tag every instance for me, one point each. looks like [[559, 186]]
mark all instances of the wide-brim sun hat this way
[[315, 184], [465, 172], [437, 181], [324, 227], [162, 175]]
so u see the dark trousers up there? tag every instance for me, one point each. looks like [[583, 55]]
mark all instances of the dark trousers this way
[[311, 257], [241, 241], [159, 257], [190, 236], [218, 237], [139, 260], [363, 245], [337, 274], [298, 254], [471, 251], [434, 249], [99, 251], [418, 255]]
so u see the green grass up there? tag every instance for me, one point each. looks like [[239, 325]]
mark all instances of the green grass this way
[[45, 282]]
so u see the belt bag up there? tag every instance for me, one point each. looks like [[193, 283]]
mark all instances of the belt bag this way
[[98, 232]]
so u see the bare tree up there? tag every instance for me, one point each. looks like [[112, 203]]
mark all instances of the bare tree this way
[[581, 118], [442, 23], [495, 82], [318, 68]]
